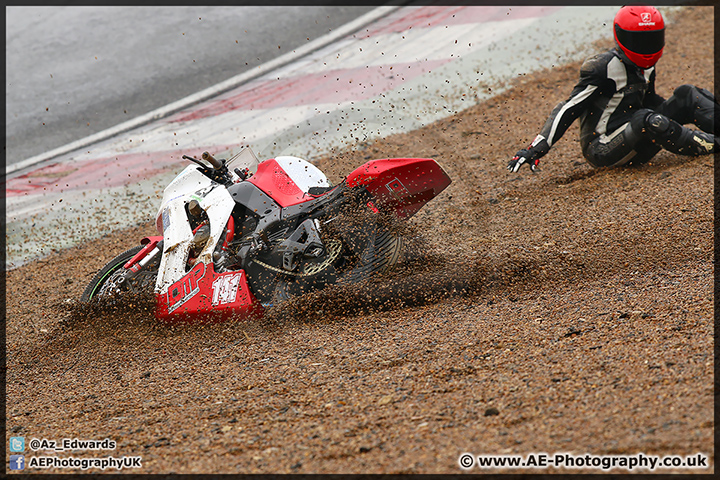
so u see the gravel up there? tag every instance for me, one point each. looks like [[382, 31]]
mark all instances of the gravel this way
[[569, 310]]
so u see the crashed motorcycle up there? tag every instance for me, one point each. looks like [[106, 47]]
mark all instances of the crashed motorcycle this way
[[238, 236]]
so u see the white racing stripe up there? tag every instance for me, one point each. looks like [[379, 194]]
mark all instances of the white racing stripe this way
[[616, 72], [416, 45], [571, 103]]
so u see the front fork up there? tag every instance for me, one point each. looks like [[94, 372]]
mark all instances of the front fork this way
[[153, 246]]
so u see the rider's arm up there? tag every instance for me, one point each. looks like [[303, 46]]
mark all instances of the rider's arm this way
[[564, 114], [593, 79]]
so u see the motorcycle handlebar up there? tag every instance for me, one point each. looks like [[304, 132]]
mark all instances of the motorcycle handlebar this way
[[213, 161], [218, 172]]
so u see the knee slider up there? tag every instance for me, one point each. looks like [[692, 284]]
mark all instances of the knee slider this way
[[657, 123]]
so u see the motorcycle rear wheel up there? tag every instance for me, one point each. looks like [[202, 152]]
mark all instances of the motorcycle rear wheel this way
[[381, 253], [379, 257], [104, 283]]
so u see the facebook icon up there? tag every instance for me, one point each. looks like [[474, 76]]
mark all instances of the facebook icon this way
[[17, 462]]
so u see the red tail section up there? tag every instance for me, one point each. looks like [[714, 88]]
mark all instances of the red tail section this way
[[401, 184]]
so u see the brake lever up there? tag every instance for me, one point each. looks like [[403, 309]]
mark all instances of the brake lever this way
[[186, 157]]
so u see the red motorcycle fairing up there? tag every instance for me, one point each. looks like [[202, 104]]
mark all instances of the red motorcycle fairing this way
[[202, 292], [401, 184], [272, 179]]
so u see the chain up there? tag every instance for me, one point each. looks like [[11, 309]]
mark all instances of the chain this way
[[334, 247]]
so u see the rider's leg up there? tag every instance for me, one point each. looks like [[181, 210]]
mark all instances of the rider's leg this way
[[619, 148], [690, 104], [666, 132]]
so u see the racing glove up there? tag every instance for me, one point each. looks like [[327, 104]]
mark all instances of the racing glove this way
[[530, 155], [526, 155]]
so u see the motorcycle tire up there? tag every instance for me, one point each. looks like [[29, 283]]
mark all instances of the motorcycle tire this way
[[383, 252], [112, 268], [379, 257]]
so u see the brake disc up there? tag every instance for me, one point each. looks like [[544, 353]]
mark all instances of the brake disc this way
[[333, 248]]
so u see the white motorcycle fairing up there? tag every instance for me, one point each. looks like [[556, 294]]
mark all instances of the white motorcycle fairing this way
[[217, 203], [194, 284]]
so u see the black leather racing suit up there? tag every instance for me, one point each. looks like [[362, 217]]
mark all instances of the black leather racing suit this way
[[616, 100]]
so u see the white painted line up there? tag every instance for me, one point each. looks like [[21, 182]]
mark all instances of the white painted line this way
[[203, 95]]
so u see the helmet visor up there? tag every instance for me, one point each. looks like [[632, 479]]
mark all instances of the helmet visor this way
[[643, 42]]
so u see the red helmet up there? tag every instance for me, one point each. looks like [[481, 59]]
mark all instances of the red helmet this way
[[640, 34]]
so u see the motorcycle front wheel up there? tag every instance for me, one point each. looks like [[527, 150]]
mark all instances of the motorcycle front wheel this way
[[110, 280]]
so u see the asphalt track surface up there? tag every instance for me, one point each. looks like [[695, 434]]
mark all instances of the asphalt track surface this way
[[569, 311], [73, 71]]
